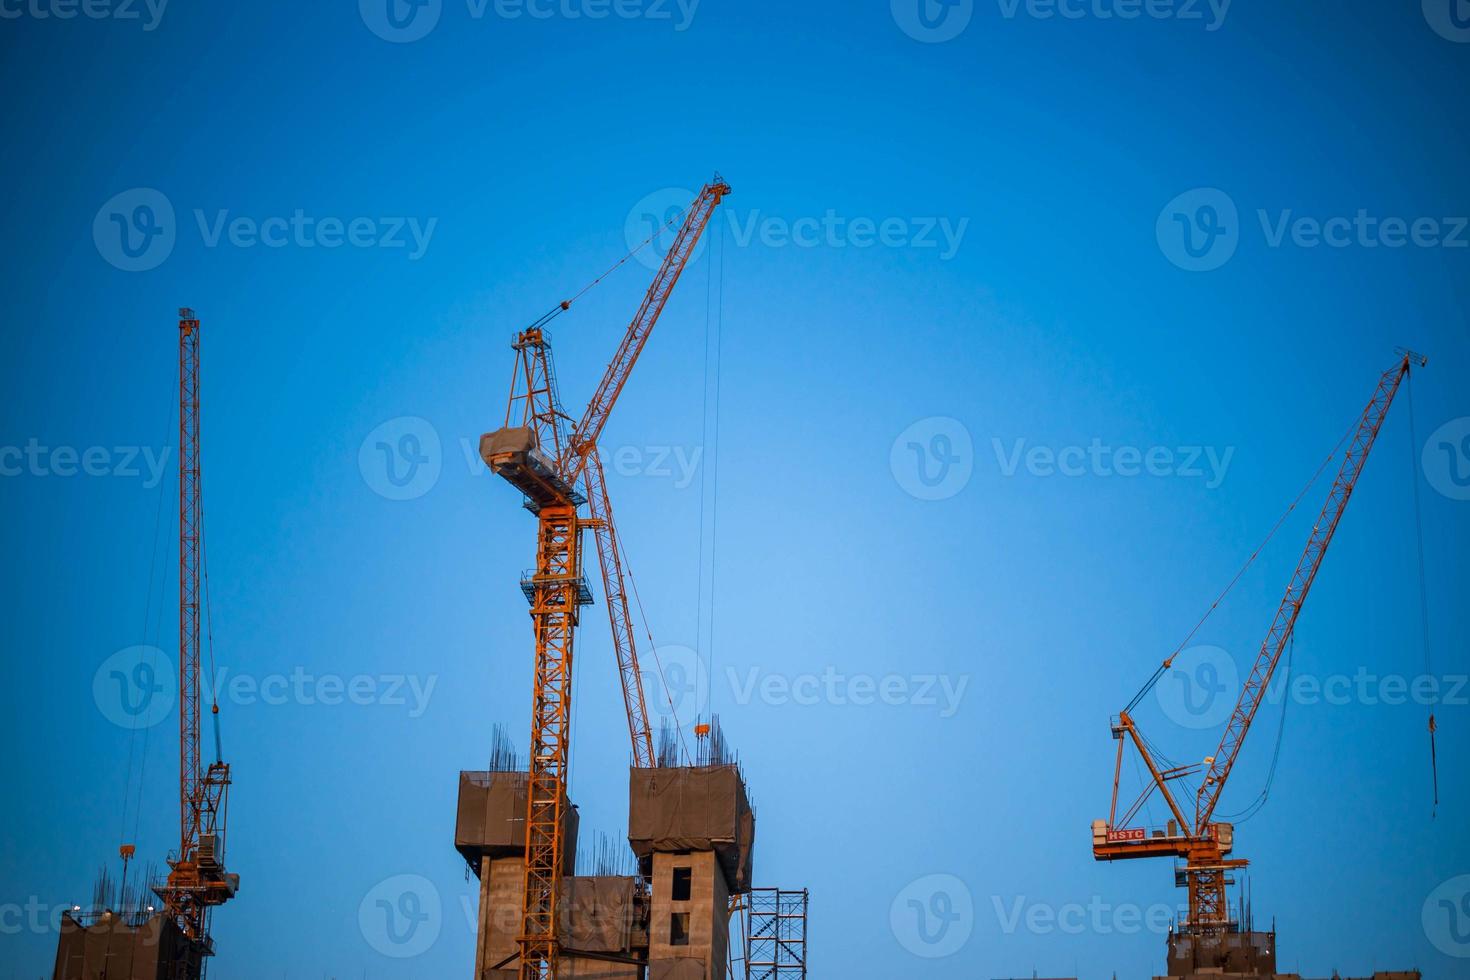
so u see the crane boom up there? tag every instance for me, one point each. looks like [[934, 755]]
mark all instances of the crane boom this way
[[1203, 845], [1259, 679], [605, 534], [532, 453], [197, 880], [584, 436]]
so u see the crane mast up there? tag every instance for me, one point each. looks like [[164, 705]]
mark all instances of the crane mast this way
[[1200, 842], [545, 462], [197, 880]]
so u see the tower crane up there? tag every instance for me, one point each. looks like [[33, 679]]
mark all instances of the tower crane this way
[[543, 454], [1196, 839], [197, 880]]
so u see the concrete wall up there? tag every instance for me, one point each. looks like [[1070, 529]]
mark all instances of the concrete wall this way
[[708, 909], [502, 890]]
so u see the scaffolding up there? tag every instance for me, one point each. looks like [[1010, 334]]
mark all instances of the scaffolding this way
[[775, 934]]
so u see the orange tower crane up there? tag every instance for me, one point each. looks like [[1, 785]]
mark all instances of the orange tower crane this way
[[1201, 843], [197, 880], [541, 454]]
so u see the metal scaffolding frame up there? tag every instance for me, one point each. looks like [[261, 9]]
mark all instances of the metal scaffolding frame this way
[[775, 934]]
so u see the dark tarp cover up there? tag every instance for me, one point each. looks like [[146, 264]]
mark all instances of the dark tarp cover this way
[[110, 948], [597, 914], [492, 818], [698, 808]]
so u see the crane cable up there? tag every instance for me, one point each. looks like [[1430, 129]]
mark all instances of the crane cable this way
[[566, 304], [658, 661], [147, 615], [1169, 661], [1259, 803], [1423, 591]]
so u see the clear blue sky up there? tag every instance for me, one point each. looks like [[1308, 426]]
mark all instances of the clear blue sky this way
[[1064, 309]]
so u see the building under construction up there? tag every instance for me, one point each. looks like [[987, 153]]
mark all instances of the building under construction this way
[[691, 829], [690, 823]]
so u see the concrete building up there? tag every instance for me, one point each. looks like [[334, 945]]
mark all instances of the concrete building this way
[[693, 832]]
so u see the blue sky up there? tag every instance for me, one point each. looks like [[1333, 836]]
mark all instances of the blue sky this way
[[973, 244]]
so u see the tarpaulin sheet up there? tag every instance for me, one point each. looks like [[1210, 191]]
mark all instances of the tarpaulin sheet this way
[[597, 914], [519, 440], [698, 808], [116, 951], [491, 819]]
